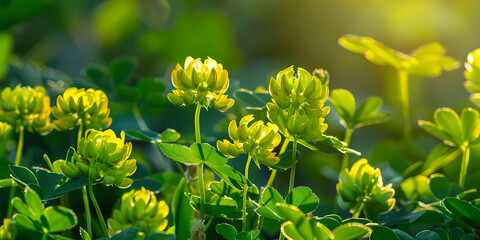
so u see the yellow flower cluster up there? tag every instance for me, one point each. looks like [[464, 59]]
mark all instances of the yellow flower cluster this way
[[139, 208], [297, 103], [258, 140], [201, 83]]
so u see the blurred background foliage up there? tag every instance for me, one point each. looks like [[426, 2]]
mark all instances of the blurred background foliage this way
[[60, 44]]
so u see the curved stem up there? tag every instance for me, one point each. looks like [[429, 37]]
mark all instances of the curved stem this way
[[346, 139], [405, 103], [201, 188], [88, 216], [138, 117], [464, 167], [292, 170], [210, 220], [17, 161], [18, 156], [358, 209], [97, 208], [245, 192]]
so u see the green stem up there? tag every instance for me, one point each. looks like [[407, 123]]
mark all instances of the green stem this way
[[464, 167], [346, 139], [358, 209], [272, 177], [201, 188], [17, 161], [210, 220], [44, 236], [97, 208], [88, 216], [201, 185], [405, 103], [138, 117], [245, 192], [292, 170], [18, 156], [198, 138]]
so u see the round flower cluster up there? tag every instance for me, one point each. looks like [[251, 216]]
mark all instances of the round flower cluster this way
[[140, 209], [26, 108], [258, 140], [201, 83], [297, 103]]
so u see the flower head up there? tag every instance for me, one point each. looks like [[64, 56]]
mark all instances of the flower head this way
[[8, 230], [139, 208], [26, 108], [256, 139], [5, 129], [79, 106], [201, 83], [297, 103], [363, 183], [101, 156]]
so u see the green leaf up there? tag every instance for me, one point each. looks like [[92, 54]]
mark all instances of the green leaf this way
[[183, 213], [48, 180], [450, 123], [441, 233], [6, 44], [290, 231], [290, 213], [231, 176], [329, 222], [143, 135], [463, 211], [344, 103], [60, 218], [440, 156], [266, 212], [381, 232], [25, 222], [366, 113], [169, 135], [23, 174], [470, 124], [122, 69], [217, 206], [441, 187], [180, 153], [251, 100], [270, 197], [59, 237], [99, 76], [84, 234], [403, 235], [244, 236], [6, 182], [71, 185], [227, 231], [456, 233], [351, 231], [303, 198], [427, 235], [208, 154], [34, 202]]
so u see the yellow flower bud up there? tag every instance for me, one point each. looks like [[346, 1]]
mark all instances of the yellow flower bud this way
[[8, 230], [201, 83], [297, 103], [79, 106], [102, 156], [5, 129], [363, 183], [27, 108], [139, 208], [256, 139]]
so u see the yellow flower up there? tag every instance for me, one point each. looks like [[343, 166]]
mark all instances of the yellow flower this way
[[26, 108], [79, 106], [201, 83], [364, 184], [8, 230], [139, 208], [258, 140], [297, 103], [101, 156], [5, 129]]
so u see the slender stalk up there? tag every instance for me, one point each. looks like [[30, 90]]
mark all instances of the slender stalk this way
[[272, 177], [210, 220], [405, 103], [17, 161], [97, 208], [201, 185], [44, 236], [245, 192], [463, 169], [292, 170], [358, 209], [346, 139], [88, 215], [138, 117]]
